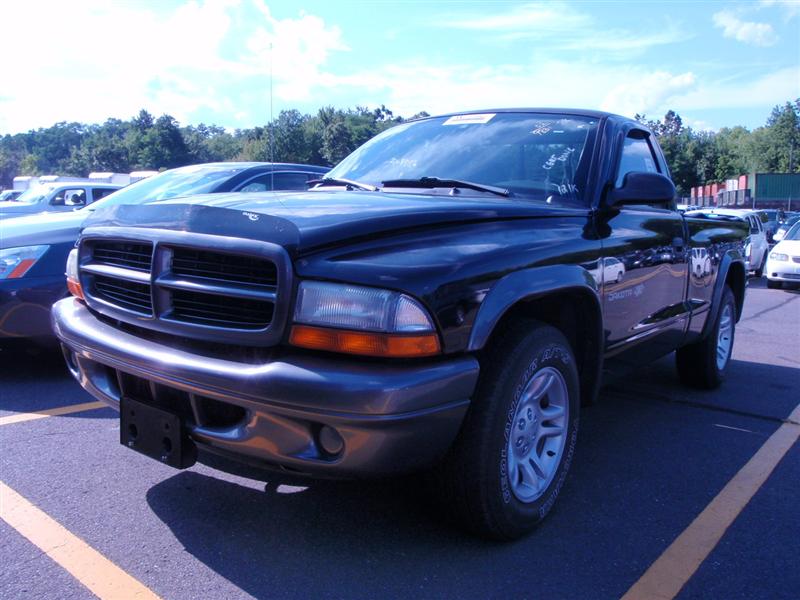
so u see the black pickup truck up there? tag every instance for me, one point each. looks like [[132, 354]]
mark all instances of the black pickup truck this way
[[444, 300]]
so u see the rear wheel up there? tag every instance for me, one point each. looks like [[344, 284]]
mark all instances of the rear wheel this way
[[705, 363], [760, 270], [507, 467]]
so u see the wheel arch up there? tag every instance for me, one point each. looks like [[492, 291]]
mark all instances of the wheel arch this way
[[564, 296], [732, 273]]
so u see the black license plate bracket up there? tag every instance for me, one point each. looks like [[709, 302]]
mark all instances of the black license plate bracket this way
[[156, 433]]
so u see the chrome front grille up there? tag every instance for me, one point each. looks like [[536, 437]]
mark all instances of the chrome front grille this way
[[127, 294], [220, 311], [195, 285], [219, 267], [128, 255]]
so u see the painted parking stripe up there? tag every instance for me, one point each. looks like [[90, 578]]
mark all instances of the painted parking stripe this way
[[100, 576], [51, 412], [669, 573]]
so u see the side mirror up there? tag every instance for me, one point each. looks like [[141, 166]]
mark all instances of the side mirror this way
[[643, 188]]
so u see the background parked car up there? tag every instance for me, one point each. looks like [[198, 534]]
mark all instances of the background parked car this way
[[56, 197], [757, 246], [783, 264], [8, 195], [34, 249], [787, 224]]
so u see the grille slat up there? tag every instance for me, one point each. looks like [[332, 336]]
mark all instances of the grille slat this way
[[127, 294], [130, 255], [223, 267], [220, 310]]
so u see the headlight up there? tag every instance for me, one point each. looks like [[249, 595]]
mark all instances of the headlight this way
[[362, 320], [73, 279], [778, 256], [15, 262]]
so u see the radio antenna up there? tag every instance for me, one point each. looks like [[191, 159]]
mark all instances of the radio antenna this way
[[271, 128]]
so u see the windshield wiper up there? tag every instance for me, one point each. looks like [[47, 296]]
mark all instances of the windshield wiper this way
[[434, 182], [348, 183]]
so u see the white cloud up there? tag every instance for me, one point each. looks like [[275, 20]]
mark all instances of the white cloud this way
[[564, 28], [412, 87], [650, 91], [791, 8], [749, 32], [89, 60], [535, 17]]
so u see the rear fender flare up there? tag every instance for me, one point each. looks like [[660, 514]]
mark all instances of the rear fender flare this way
[[730, 258]]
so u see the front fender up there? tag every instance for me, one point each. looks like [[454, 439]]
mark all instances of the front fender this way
[[528, 284]]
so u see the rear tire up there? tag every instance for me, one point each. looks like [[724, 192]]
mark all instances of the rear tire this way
[[774, 285], [760, 270], [511, 458], [704, 364]]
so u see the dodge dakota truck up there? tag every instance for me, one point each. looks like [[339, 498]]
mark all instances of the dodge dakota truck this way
[[444, 300]]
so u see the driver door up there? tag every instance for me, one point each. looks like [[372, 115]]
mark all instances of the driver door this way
[[644, 308]]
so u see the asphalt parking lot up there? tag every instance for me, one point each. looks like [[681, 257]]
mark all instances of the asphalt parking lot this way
[[652, 457]]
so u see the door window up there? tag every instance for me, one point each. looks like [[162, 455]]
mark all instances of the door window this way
[[69, 197], [637, 155], [98, 193], [280, 181]]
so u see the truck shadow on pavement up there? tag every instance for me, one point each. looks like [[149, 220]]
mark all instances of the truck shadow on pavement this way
[[34, 377], [651, 455]]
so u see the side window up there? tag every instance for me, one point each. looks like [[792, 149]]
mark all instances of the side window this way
[[637, 155], [281, 181], [69, 197], [98, 193], [753, 224]]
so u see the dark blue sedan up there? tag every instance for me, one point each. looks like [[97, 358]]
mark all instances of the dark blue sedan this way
[[34, 249]]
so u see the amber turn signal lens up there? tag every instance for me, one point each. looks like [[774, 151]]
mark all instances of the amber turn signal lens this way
[[390, 345], [75, 288]]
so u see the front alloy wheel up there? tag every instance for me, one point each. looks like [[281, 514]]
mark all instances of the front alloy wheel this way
[[539, 435], [511, 457]]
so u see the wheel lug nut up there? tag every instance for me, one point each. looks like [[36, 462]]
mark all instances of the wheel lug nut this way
[[525, 448], [520, 441], [530, 414], [521, 424]]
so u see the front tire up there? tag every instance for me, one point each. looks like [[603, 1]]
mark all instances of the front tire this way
[[511, 458], [704, 363]]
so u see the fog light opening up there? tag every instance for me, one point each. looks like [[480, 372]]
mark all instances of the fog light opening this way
[[330, 441], [72, 363]]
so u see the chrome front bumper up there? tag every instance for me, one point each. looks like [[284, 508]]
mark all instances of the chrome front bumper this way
[[392, 417]]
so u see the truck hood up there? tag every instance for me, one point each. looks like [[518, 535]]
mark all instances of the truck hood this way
[[308, 220]]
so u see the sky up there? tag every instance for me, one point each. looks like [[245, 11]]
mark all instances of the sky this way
[[236, 62]]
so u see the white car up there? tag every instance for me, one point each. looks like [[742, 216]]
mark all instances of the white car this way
[[757, 246], [700, 262], [783, 264], [609, 270]]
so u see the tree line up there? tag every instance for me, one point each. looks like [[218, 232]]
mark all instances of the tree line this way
[[697, 157], [147, 142]]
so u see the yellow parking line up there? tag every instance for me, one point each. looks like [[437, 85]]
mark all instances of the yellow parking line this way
[[51, 412], [669, 573], [101, 576]]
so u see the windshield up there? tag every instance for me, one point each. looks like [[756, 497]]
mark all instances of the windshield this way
[[185, 181], [33, 194], [533, 155], [793, 234]]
